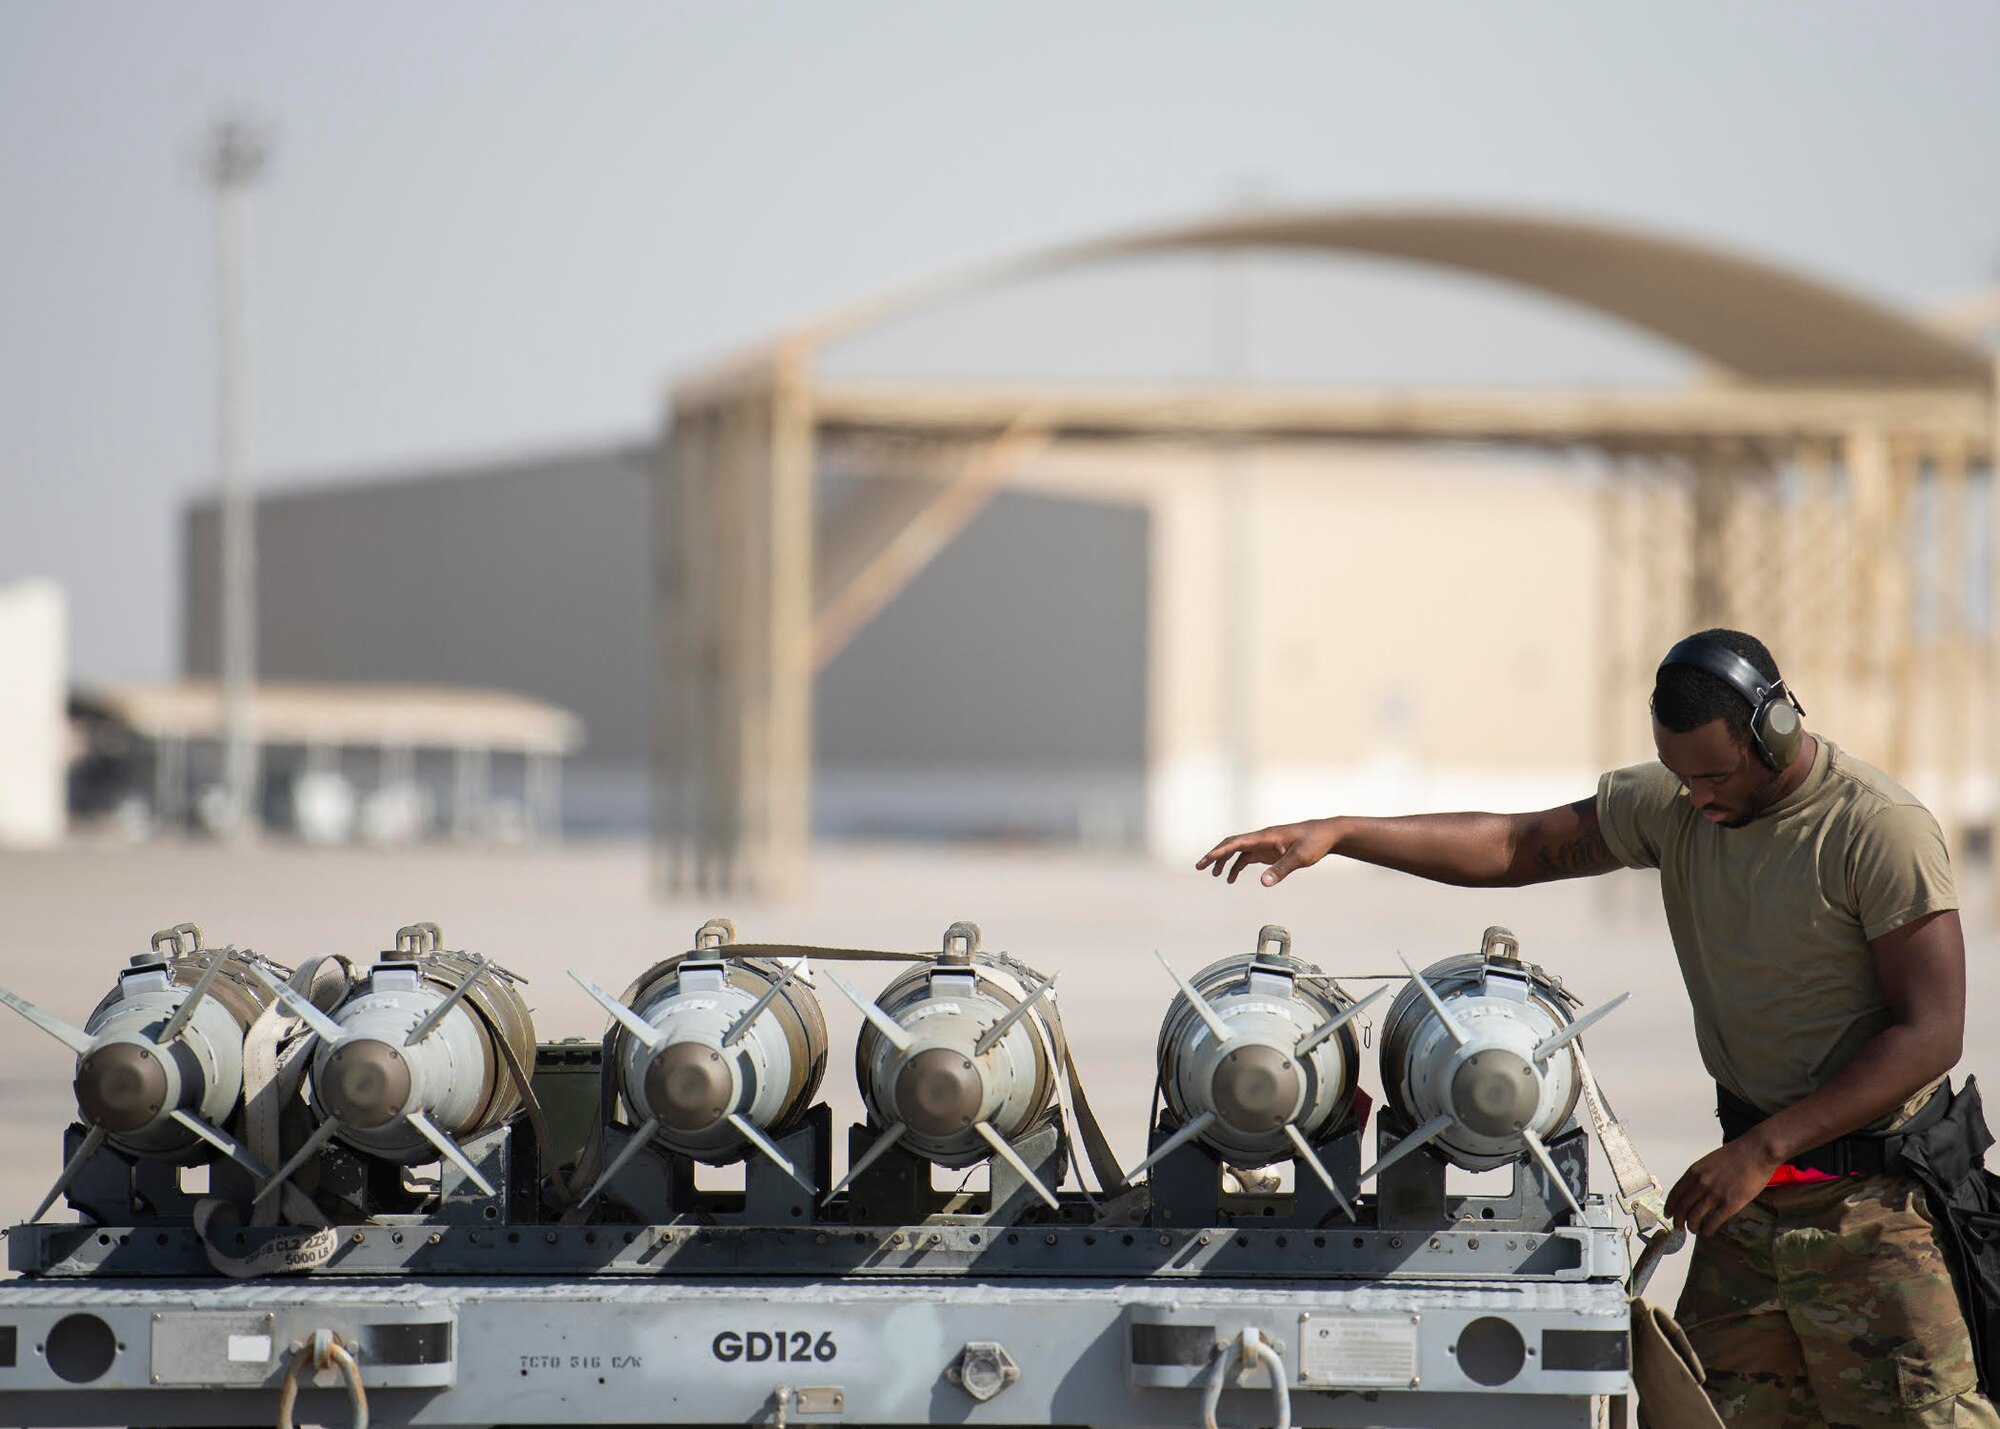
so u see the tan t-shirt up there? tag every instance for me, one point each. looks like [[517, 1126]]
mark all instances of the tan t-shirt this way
[[1772, 921]]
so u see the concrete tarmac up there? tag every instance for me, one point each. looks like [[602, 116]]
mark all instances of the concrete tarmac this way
[[70, 917]]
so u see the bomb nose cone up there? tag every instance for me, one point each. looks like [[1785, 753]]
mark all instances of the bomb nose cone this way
[[1256, 1089], [687, 1086], [939, 1092], [121, 1086], [366, 1083], [1495, 1093]]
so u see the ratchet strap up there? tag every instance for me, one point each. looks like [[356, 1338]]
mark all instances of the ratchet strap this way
[[1096, 1146], [273, 1066], [1639, 1191], [285, 1251]]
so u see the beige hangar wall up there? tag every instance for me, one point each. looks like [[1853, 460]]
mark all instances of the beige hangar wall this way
[[1413, 630]]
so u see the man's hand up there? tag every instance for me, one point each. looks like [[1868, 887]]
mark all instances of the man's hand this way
[[1469, 850], [1721, 1184], [1284, 846]]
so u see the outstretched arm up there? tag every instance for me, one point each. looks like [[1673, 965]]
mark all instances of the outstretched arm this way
[[1471, 850]]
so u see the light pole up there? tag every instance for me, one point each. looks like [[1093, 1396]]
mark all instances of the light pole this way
[[1236, 479], [236, 158]]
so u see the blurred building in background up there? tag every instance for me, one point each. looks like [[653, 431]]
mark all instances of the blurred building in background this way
[[1354, 598], [1146, 615], [1003, 689], [1003, 696], [525, 578], [34, 739], [347, 762]]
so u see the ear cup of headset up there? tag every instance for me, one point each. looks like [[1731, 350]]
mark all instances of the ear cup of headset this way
[[1780, 733]]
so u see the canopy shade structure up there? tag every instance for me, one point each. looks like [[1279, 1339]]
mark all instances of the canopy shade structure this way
[[1812, 398], [416, 716], [1747, 318], [1754, 321], [395, 722]]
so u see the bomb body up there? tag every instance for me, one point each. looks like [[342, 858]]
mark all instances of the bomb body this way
[[947, 1076], [1257, 1077], [737, 1038]]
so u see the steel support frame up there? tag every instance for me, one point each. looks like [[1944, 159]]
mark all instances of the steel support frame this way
[[1788, 512]]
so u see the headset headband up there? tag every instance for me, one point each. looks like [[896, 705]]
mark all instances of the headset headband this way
[[1729, 667]]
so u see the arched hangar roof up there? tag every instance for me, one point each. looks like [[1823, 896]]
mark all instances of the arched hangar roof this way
[[1753, 319]]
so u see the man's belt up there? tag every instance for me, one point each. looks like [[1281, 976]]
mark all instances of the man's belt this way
[[1859, 1153]]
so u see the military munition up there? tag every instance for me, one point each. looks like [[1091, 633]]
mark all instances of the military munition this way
[[1479, 1060], [1258, 1060], [159, 1061], [956, 1060], [424, 1053], [715, 1057]]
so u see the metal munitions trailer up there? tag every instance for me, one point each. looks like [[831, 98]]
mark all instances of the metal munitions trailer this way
[[1034, 1325], [1207, 1296]]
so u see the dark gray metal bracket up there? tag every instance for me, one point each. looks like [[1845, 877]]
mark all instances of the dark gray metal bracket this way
[[897, 1189], [1187, 1187], [1411, 1195], [656, 1186]]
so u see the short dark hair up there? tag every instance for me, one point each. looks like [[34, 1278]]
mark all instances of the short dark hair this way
[[1686, 697]]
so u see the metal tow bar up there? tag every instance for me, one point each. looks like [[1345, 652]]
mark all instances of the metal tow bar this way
[[323, 1351], [1245, 1352]]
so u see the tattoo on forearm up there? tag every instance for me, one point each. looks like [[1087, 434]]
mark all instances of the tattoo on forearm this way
[[1586, 853]]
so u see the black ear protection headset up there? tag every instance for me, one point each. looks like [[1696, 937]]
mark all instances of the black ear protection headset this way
[[1775, 712]]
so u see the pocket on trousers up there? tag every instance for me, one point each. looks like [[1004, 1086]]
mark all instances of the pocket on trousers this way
[[1928, 1374], [1936, 1362]]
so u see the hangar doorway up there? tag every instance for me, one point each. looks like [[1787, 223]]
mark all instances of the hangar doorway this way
[[1002, 693]]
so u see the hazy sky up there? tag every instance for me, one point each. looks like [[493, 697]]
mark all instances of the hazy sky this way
[[491, 227]]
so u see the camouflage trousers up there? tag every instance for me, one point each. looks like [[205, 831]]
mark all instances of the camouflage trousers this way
[[1830, 1304]]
